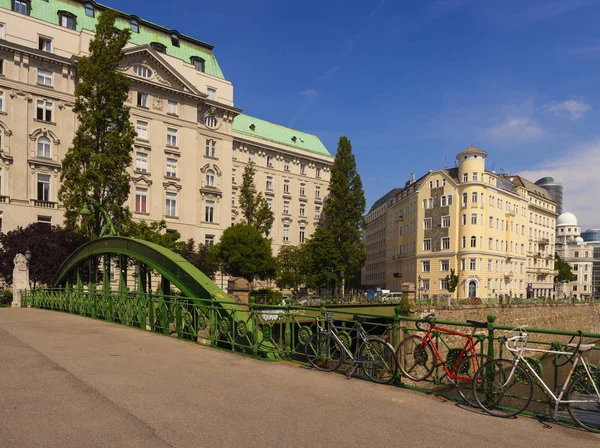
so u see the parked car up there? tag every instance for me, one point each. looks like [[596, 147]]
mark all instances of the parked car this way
[[392, 297]]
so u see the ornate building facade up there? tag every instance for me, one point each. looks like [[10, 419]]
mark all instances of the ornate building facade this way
[[192, 143]]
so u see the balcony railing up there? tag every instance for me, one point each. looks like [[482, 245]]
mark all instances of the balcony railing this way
[[44, 204], [543, 241], [510, 213]]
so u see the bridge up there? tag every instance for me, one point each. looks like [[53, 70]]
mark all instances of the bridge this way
[[97, 338], [71, 381]]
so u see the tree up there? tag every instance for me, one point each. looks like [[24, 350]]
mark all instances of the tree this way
[[244, 252], [565, 272], [96, 164], [293, 267], [50, 246], [155, 232], [452, 281], [254, 206], [344, 210], [326, 263], [205, 258]]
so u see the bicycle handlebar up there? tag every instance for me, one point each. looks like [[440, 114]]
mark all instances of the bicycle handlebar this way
[[429, 319]]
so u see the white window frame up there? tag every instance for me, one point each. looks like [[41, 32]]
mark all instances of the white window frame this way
[[171, 204], [44, 44], [209, 211], [212, 93], [142, 202], [172, 137], [44, 147], [142, 100], [302, 234], [445, 221], [302, 209], [445, 243], [425, 266], [47, 109], [44, 77], [211, 148], [286, 207], [427, 223], [286, 232], [269, 183], [171, 168], [45, 180], [427, 244], [210, 179], [173, 107], [444, 265], [141, 128], [141, 162]]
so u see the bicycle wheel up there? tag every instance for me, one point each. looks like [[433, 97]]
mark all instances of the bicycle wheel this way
[[501, 392], [414, 361], [586, 411], [378, 360], [323, 352], [469, 365]]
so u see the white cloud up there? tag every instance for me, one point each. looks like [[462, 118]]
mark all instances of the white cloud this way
[[575, 170], [311, 93], [576, 108], [516, 129]]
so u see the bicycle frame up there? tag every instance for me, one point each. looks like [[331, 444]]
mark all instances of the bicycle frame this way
[[519, 358], [427, 339], [357, 327]]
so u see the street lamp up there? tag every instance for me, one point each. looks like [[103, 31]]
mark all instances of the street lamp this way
[[108, 228], [28, 255], [419, 285]]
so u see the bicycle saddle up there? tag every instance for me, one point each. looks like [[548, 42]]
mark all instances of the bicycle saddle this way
[[359, 319], [582, 347], [477, 324]]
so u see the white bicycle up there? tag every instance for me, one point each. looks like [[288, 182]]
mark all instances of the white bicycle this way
[[504, 388]]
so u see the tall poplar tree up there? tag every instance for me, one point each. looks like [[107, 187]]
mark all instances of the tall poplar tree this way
[[96, 164], [254, 206], [344, 212]]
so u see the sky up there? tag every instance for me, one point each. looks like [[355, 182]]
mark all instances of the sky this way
[[414, 82]]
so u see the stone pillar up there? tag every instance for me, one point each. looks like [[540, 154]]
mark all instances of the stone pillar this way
[[20, 279]]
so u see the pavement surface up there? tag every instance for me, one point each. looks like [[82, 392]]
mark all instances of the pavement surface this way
[[70, 381]]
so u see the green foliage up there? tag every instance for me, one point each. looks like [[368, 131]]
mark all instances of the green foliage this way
[[452, 280], [325, 260], [50, 246], [254, 206], [244, 252], [6, 297], [343, 212], [155, 232], [268, 296], [205, 258], [293, 266], [565, 273], [405, 305], [96, 164]]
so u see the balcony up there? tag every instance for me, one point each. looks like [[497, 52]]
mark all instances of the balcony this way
[[399, 218], [511, 213], [543, 241], [44, 204], [509, 274], [4, 199]]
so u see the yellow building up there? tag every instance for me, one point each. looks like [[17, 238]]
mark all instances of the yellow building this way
[[467, 219]]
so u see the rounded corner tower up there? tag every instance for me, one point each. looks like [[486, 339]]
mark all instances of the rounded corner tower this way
[[471, 160], [554, 189]]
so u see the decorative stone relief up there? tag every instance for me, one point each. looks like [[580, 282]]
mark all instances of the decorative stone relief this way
[[157, 103]]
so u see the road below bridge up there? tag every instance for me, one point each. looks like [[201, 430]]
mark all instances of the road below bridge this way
[[69, 381]]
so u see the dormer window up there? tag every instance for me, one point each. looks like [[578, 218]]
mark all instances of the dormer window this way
[[21, 6], [158, 47], [89, 10], [67, 20], [175, 40], [135, 26], [142, 71], [198, 63]]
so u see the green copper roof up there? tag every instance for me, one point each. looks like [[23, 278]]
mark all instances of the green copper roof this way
[[149, 32], [264, 130]]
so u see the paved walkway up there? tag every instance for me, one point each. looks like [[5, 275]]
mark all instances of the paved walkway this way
[[68, 381]]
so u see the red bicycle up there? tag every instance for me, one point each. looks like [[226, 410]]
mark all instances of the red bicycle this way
[[417, 357]]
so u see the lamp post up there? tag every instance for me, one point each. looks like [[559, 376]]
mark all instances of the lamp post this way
[[28, 255], [419, 285], [108, 228]]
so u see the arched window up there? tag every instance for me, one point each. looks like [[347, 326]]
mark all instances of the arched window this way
[[44, 147], [473, 241], [210, 178], [449, 199], [142, 71]]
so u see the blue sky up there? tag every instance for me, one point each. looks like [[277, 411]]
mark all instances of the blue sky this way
[[413, 82]]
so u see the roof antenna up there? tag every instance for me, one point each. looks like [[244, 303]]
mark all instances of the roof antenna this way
[[445, 162]]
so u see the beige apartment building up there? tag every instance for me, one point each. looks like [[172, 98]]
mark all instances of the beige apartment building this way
[[192, 143], [471, 220]]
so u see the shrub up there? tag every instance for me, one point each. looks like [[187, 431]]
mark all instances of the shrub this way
[[267, 296], [6, 297]]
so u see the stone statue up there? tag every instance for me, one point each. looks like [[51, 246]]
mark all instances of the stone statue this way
[[20, 279]]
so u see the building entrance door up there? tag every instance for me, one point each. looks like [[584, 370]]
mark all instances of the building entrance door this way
[[472, 289]]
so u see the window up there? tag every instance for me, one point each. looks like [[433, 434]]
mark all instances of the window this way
[[233, 199], [141, 200], [209, 240], [427, 223], [425, 284], [474, 197], [172, 107], [171, 167], [209, 211], [212, 94], [464, 199], [463, 264], [1, 64], [464, 219], [474, 219], [444, 265], [576, 255], [171, 204], [171, 137], [66, 20], [234, 153], [270, 203], [317, 192], [161, 48], [210, 179], [427, 244], [135, 26], [286, 165], [576, 267], [211, 148], [89, 10], [233, 172], [446, 242], [44, 147], [141, 162], [464, 242], [302, 209], [317, 212], [473, 241], [465, 177], [302, 234], [302, 189], [490, 265], [45, 44], [1, 31], [45, 220], [317, 172], [491, 244], [44, 110], [474, 177], [198, 63], [43, 187], [269, 185], [175, 40], [443, 284], [430, 184], [426, 266], [473, 264], [21, 6], [210, 121], [44, 77], [286, 232], [449, 199], [302, 168], [141, 127], [286, 207], [491, 222], [286, 186], [142, 100]]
